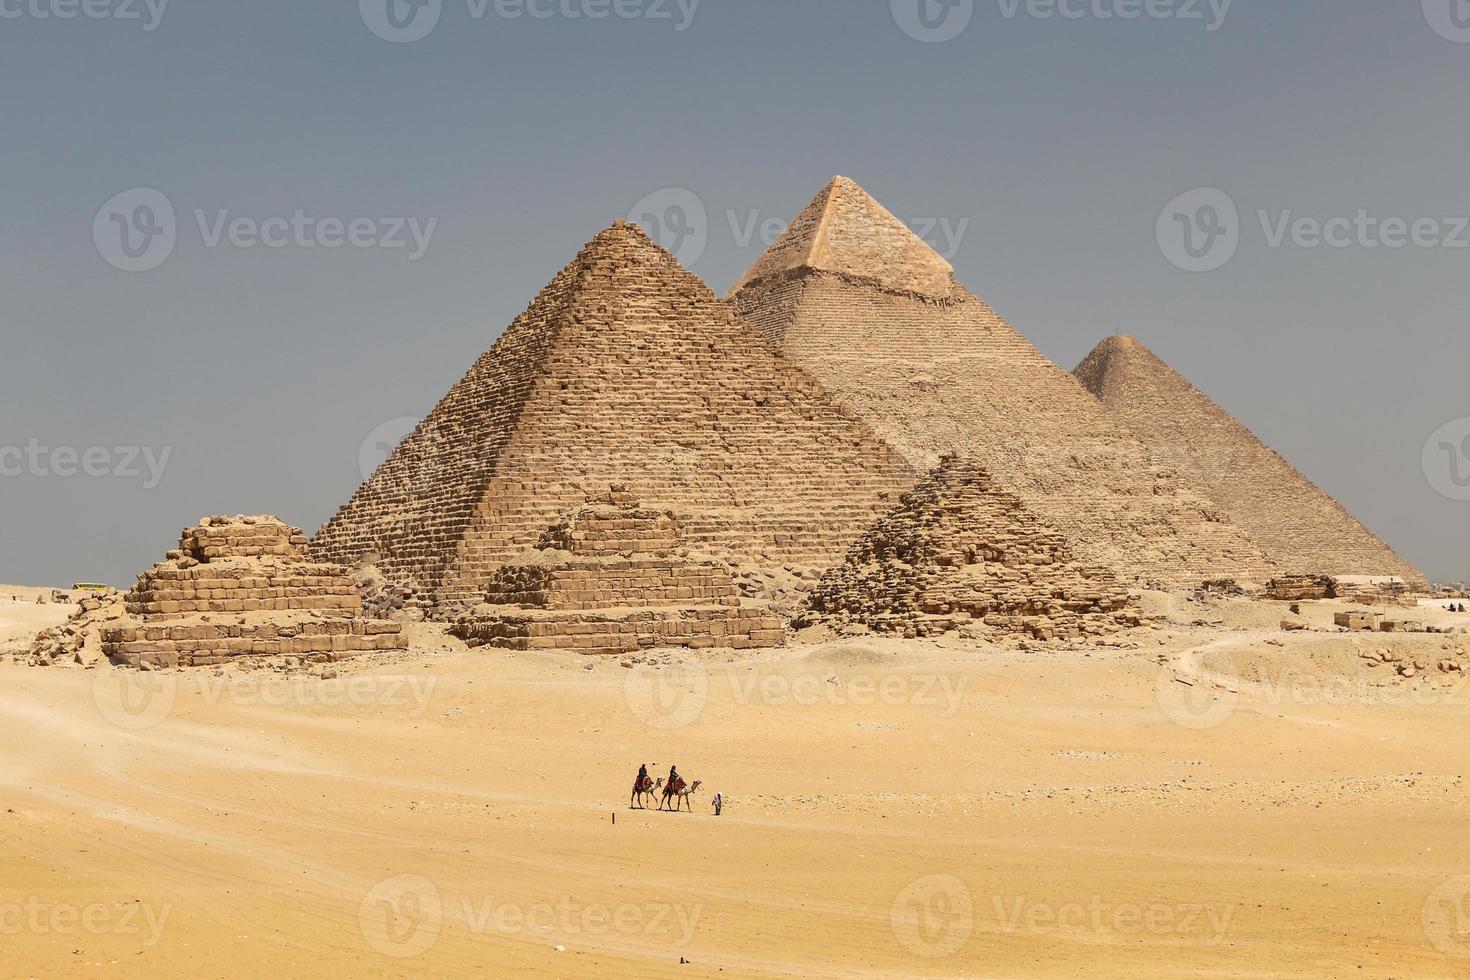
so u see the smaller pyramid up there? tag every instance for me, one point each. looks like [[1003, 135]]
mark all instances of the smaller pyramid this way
[[243, 586], [613, 577], [961, 552], [1303, 530], [845, 230]]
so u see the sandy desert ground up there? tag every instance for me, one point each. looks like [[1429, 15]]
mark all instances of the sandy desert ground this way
[[894, 809]]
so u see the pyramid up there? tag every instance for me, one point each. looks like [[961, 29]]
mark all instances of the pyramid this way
[[613, 577], [626, 370], [1301, 528], [961, 552], [243, 586], [853, 296]]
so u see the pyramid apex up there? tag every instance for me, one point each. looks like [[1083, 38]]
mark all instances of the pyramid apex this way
[[845, 230]]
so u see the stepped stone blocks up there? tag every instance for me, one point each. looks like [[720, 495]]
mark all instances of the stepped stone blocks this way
[[961, 552], [625, 370], [613, 578], [1300, 527], [853, 296], [243, 586]]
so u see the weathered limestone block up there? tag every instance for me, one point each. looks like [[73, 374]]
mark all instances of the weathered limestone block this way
[[243, 566]]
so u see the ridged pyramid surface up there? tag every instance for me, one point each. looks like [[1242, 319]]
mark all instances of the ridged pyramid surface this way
[[934, 370], [1301, 528], [626, 370]]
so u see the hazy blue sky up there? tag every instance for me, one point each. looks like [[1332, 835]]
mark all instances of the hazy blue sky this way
[[1055, 142]]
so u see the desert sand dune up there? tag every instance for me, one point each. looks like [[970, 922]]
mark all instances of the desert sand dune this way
[[893, 808]]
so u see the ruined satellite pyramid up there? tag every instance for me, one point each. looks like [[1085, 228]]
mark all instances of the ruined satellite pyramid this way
[[240, 587], [1301, 528], [626, 370], [613, 577], [961, 552], [853, 296]]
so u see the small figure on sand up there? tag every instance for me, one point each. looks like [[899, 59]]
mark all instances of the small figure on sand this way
[[643, 785], [719, 802]]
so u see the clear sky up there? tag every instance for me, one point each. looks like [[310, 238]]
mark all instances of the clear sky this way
[[177, 368]]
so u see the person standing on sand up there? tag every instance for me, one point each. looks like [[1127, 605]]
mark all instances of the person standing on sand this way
[[719, 803]]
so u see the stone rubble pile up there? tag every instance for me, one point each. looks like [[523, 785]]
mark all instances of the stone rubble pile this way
[[960, 553]]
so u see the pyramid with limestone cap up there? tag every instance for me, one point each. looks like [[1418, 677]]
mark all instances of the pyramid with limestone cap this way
[[626, 370], [845, 231], [877, 318], [1300, 527]]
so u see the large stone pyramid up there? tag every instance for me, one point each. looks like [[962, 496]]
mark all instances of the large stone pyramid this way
[[961, 552], [857, 299], [626, 370], [1301, 528]]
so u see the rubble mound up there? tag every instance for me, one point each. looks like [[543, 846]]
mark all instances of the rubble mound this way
[[238, 587], [78, 640], [960, 552], [614, 577]]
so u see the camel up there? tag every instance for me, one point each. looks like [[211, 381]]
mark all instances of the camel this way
[[683, 796], [653, 786]]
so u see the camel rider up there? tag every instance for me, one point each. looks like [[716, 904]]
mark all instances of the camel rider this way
[[642, 779], [676, 782]]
